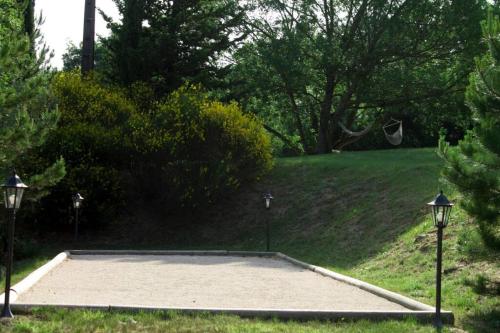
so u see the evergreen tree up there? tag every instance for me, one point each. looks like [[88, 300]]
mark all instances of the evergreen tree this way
[[28, 18], [27, 112], [474, 165], [168, 42]]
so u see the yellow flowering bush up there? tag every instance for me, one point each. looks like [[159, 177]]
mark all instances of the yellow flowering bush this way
[[184, 151], [93, 136], [200, 149]]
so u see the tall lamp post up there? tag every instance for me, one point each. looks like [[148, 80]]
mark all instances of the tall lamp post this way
[[13, 190], [77, 203], [441, 209], [268, 197]]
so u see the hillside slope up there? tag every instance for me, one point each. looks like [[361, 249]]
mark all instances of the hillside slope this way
[[365, 214], [360, 213]]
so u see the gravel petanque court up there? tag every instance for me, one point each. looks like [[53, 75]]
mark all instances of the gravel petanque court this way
[[197, 281]]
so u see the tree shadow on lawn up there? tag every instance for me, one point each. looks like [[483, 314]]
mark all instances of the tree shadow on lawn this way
[[328, 210], [484, 322], [332, 222]]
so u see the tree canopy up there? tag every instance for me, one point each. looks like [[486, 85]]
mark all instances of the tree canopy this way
[[350, 61], [166, 43]]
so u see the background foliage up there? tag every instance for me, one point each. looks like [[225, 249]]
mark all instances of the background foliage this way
[[92, 137], [474, 165], [27, 109], [358, 62], [185, 151], [166, 43], [199, 149]]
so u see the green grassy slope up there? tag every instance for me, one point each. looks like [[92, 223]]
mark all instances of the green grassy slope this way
[[339, 209], [365, 214], [361, 213]]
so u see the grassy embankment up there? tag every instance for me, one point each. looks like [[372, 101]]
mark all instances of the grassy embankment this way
[[361, 214]]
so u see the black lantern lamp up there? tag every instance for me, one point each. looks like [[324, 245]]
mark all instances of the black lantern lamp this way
[[267, 199], [77, 204], [13, 190], [441, 209], [77, 201]]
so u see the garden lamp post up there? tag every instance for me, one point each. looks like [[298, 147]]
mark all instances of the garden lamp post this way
[[441, 209], [13, 190], [268, 197], [77, 203]]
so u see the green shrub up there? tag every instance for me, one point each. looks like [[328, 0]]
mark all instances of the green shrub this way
[[92, 136], [183, 152], [198, 149]]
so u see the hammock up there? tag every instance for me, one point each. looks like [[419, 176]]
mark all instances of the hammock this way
[[397, 137], [351, 133]]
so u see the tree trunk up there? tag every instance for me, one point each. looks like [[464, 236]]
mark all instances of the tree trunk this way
[[29, 22], [88, 37], [324, 135], [298, 122]]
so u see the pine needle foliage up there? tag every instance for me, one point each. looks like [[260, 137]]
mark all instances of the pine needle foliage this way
[[473, 167], [27, 111]]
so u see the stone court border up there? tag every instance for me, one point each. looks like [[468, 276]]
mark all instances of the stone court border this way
[[417, 310]]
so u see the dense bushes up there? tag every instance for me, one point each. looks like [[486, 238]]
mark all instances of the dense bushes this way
[[199, 148], [184, 151], [92, 138]]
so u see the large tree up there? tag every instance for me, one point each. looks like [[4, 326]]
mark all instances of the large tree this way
[[27, 112], [168, 42], [347, 61], [474, 165]]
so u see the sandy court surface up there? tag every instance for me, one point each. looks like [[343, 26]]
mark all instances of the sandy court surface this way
[[182, 281]]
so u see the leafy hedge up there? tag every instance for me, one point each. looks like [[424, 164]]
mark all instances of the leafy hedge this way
[[200, 149], [92, 137], [184, 152]]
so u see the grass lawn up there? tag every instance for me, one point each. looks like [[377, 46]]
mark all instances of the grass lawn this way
[[90, 321], [360, 213]]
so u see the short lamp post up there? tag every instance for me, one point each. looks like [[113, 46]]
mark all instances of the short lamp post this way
[[77, 204], [441, 209], [268, 197], [13, 190]]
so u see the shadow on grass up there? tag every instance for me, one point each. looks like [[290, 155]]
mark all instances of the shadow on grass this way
[[484, 322], [330, 210], [25, 266]]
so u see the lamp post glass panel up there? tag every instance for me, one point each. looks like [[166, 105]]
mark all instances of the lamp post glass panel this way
[[441, 209], [13, 190], [267, 198], [77, 203]]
